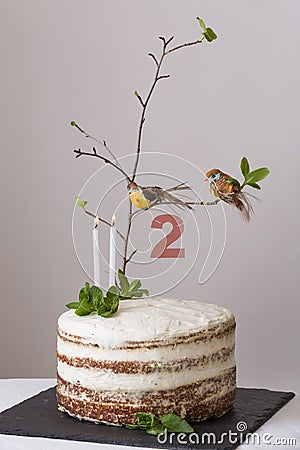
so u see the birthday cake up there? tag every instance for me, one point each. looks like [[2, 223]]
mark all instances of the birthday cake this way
[[155, 355]]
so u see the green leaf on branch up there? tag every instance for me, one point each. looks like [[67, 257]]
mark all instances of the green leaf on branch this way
[[81, 203], [245, 166], [210, 35], [257, 175], [73, 123], [255, 185], [202, 24]]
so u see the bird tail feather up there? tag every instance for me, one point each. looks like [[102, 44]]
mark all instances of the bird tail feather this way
[[243, 204]]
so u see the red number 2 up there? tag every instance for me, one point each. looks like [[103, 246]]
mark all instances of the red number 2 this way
[[161, 249]]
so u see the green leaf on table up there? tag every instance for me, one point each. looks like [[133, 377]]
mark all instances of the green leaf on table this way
[[81, 203], [72, 305], [176, 424]]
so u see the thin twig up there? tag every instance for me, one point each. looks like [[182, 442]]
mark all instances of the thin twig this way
[[153, 57], [125, 260], [103, 221], [131, 256], [79, 153], [187, 44], [87, 135]]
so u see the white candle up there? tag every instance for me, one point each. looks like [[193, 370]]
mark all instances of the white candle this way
[[112, 252], [96, 253]]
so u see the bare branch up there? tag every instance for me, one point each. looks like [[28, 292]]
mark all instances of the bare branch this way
[[162, 39], [139, 97], [87, 135], [187, 44], [131, 256], [103, 221], [94, 153], [170, 40], [153, 57], [127, 237], [161, 77]]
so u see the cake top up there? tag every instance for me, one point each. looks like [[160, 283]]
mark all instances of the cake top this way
[[145, 319]]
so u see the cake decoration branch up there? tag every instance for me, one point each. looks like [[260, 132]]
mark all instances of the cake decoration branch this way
[[94, 153], [82, 203]]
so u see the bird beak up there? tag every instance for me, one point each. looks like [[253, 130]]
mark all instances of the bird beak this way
[[205, 179]]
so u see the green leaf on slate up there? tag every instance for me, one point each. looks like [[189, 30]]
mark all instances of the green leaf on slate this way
[[145, 420], [157, 429], [81, 203], [176, 424], [245, 166], [72, 305]]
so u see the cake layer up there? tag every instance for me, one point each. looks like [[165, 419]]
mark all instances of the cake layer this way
[[146, 321], [211, 397], [155, 355]]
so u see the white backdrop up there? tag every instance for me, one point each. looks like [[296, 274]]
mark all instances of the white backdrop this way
[[78, 60]]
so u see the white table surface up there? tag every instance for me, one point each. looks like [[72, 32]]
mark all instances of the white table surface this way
[[284, 424]]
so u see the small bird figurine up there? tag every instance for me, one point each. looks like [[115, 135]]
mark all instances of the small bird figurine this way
[[223, 188], [146, 197]]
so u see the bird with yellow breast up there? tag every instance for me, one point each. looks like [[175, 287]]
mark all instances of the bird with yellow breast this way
[[146, 197]]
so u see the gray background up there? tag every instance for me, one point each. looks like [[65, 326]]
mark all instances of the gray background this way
[[82, 60]]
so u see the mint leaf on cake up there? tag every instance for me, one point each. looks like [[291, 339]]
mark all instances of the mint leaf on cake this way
[[92, 300]]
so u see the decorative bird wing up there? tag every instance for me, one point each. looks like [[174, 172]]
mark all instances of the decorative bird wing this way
[[156, 194], [151, 193]]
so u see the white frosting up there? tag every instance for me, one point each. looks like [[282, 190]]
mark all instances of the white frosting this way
[[139, 320], [143, 320], [107, 380], [163, 354]]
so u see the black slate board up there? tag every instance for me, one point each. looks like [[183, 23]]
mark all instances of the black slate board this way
[[39, 417]]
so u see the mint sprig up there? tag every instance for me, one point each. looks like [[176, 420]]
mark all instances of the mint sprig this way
[[92, 299], [152, 425], [251, 178]]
